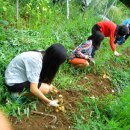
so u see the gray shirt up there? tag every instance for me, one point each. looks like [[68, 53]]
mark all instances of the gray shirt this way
[[24, 67]]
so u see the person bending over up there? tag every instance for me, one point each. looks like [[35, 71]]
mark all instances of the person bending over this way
[[107, 29], [35, 70]]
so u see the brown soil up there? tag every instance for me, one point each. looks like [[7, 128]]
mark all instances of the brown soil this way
[[98, 86], [42, 122]]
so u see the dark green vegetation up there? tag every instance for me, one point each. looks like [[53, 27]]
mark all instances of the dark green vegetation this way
[[126, 2], [41, 24]]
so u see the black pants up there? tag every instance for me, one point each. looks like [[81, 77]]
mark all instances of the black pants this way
[[97, 37], [21, 87]]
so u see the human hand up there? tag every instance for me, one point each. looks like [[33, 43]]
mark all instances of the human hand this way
[[53, 89], [116, 53], [86, 57], [54, 103]]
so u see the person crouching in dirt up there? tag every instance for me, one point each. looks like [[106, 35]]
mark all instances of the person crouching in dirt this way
[[107, 29], [81, 55], [34, 71], [121, 39]]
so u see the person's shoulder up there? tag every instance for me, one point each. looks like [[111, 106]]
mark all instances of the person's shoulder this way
[[106, 23], [29, 55]]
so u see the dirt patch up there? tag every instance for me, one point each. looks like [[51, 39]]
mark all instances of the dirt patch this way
[[94, 84], [42, 122], [97, 85]]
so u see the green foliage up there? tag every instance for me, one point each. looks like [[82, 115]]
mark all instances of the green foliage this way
[[7, 13], [17, 108], [120, 78], [120, 109], [41, 24], [106, 114]]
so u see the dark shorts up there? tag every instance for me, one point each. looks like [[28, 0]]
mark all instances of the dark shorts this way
[[21, 87]]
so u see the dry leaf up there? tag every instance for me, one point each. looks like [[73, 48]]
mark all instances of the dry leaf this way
[[105, 76]]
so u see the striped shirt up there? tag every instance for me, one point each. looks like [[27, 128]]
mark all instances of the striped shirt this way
[[82, 50]]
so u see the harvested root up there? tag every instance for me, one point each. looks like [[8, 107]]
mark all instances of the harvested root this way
[[61, 105]]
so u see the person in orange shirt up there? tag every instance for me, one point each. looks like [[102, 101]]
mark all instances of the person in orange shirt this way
[[107, 29]]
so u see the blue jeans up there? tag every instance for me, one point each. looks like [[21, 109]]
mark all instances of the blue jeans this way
[[121, 40]]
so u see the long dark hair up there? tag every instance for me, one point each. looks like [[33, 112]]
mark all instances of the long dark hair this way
[[54, 56], [122, 30]]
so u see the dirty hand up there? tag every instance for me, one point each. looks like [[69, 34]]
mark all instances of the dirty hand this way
[[116, 53], [53, 89], [54, 103]]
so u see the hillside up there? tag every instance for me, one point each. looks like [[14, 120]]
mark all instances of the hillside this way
[[96, 97]]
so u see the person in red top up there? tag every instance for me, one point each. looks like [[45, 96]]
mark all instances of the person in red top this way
[[107, 29]]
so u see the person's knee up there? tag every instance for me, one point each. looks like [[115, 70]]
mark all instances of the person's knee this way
[[44, 88]]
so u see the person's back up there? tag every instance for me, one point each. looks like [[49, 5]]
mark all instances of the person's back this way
[[107, 27], [82, 50], [24, 67], [81, 55]]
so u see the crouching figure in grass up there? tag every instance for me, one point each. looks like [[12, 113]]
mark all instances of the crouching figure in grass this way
[[34, 71], [81, 55]]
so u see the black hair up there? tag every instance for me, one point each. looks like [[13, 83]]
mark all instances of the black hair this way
[[122, 30], [54, 56], [41, 51]]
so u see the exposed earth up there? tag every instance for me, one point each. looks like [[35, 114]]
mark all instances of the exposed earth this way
[[94, 86], [63, 120]]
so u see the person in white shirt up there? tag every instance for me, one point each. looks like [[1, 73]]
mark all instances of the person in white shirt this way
[[35, 70]]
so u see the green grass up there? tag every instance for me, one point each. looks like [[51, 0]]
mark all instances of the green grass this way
[[44, 28]]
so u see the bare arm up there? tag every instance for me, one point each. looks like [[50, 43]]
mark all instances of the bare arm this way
[[4, 123], [34, 89]]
